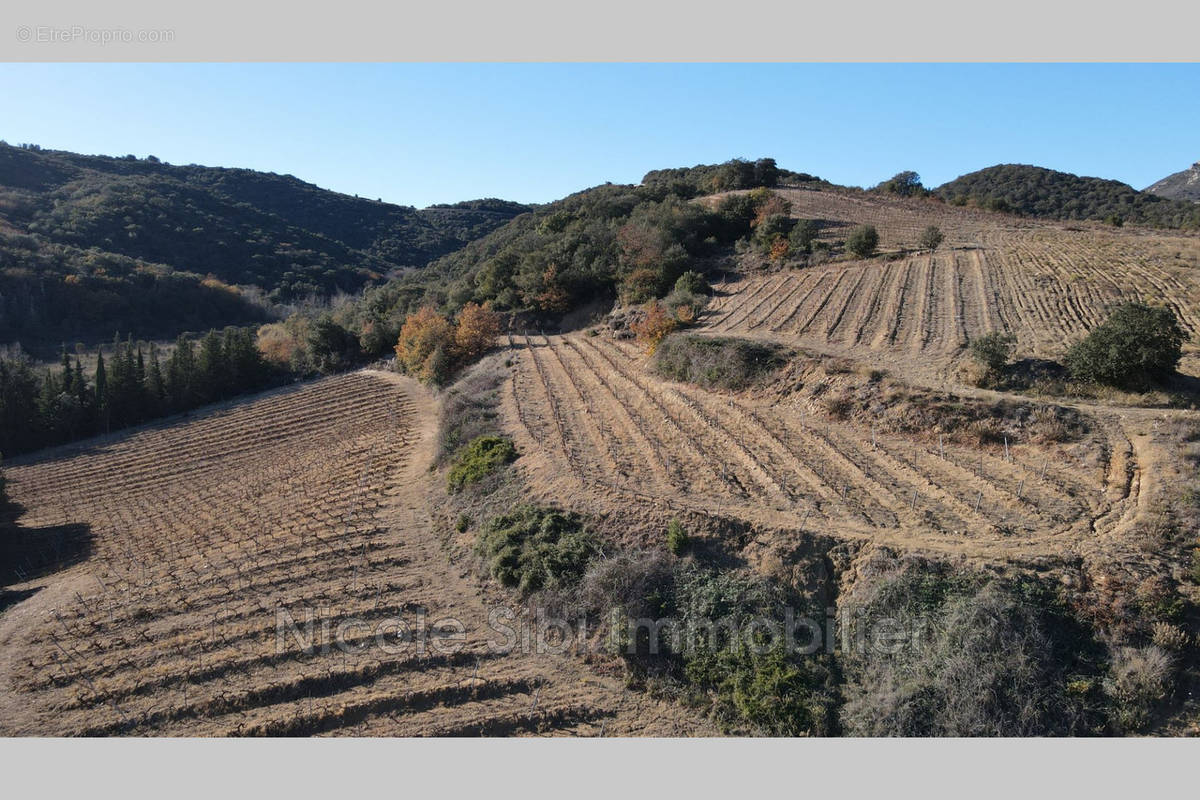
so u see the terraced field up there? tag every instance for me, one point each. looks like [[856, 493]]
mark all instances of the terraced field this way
[[1046, 284], [310, 501], [592, 419]]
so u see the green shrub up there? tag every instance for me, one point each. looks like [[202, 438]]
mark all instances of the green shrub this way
[[534, 548], [803, 235], [993, 350], [463, 523], [677, 537], [483, 456], [770, 230], [931, 238], [862, 241], [774, 694], [754, 683], [1136, 346], [692, 283]]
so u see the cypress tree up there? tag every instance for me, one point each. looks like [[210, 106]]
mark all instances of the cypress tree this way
[[101, 392], [155, 389]]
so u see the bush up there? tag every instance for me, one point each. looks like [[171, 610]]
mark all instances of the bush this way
[[931, 238], [691, 283], [431, 347], [535, 548], [677, 538], [656, 322], [483, 456], [330, 346], [803, 235], [1136, 346], [771, 231], [993, 350], [423, 334], [755, 683], [475, 331], [637, 583], [716, 363], [1138, 679], [862, 241], [774, 694], [983, 658]]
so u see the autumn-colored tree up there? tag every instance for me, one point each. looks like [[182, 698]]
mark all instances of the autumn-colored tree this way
[[642, 246], [424, 333], [476, 331], [641, 285], [779, 249], [552, 299], [280, 345], [654, 326], [768, 204]]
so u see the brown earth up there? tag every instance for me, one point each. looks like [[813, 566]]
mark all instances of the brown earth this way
[[321, 496], [314, 497]]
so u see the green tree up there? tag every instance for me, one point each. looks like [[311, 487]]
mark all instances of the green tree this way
[[330, 346], [993, 350], [931, 238], [677, 537], [862, 241], [803, 234], [1136, 346], [904, 184], [766, 172], [692, 283], [102, 407]]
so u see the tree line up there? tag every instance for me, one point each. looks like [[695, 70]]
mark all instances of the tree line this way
[[131, 383]]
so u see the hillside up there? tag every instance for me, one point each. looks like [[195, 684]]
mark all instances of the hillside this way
[[1048, 194], [152, 247], [1040, 538], [1182, 185]]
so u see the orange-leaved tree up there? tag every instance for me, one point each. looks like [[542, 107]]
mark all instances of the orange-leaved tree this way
[[425, 344], [476, 331], [654, 326]]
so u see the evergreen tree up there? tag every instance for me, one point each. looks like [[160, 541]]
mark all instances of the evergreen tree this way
[[181, 376], [210, 368], [156, 391], [101, 393]]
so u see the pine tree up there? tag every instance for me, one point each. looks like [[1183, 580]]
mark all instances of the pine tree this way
[[156, 394], [101, 393], [211, 367]]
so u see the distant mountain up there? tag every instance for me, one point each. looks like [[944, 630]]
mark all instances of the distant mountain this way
[[1183, 185], [89, 244], [1039, 192]]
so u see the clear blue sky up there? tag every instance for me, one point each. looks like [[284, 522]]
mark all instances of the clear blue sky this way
[[428, 133]]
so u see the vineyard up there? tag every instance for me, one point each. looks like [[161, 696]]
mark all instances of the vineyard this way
[[190, 541], [310, 501], [600, 423], [1045, 284]]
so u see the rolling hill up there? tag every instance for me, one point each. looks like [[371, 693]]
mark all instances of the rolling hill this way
[[1049, 194], [92, 244], [1182, 185], [1047, 536]]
